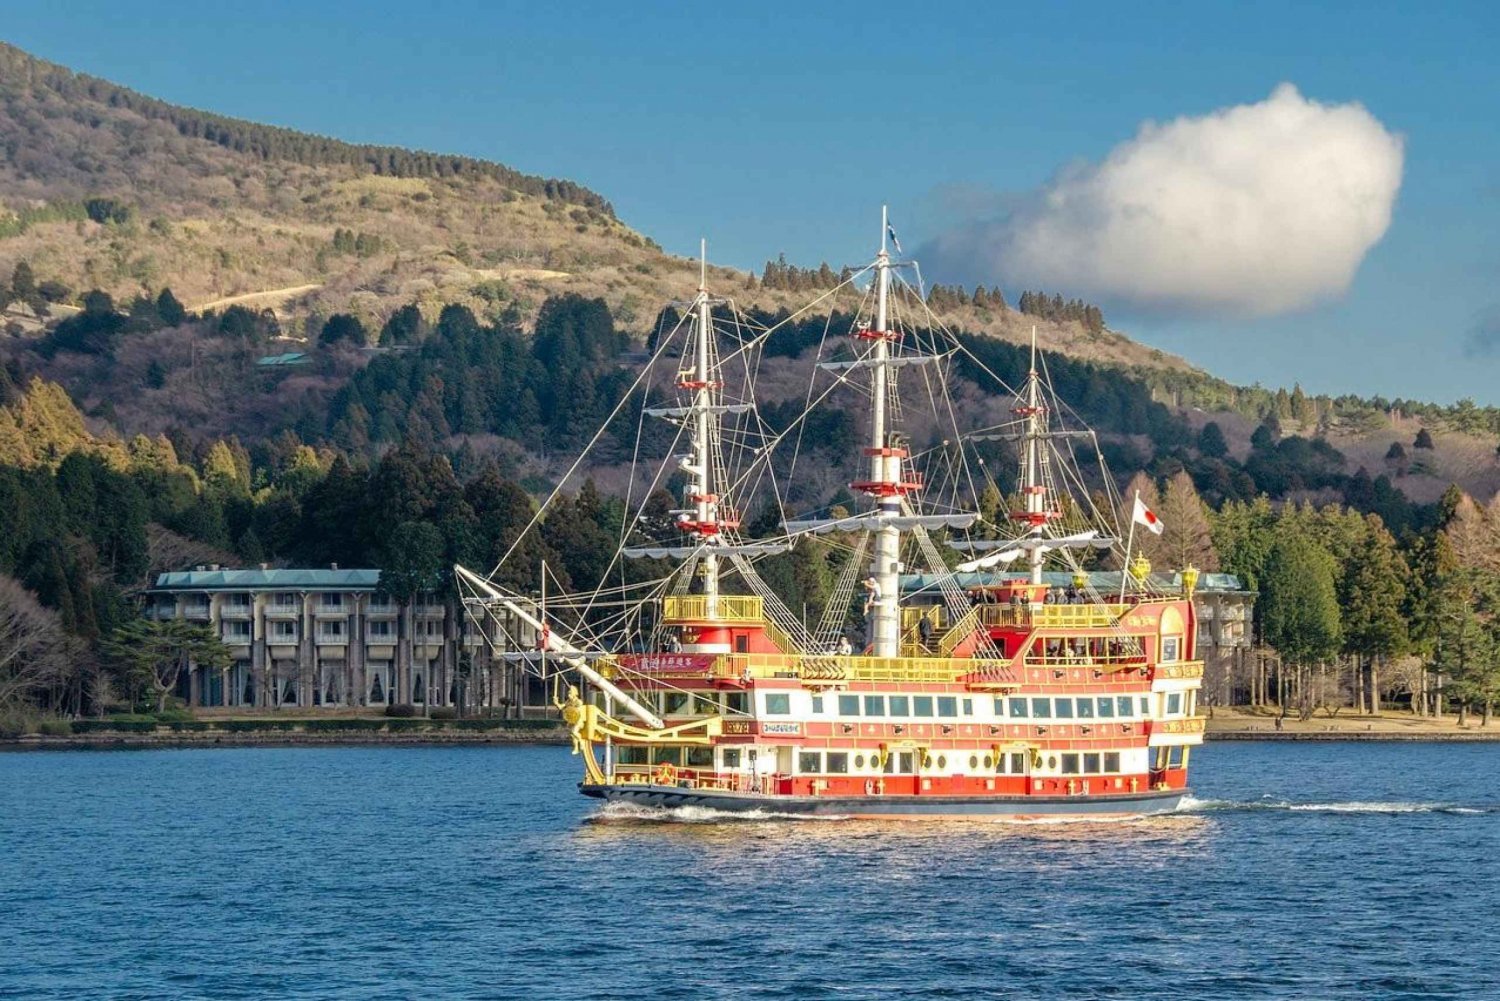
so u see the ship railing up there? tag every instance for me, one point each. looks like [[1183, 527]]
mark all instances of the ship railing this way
[[1181, 669], [694, 608], [836, 668], [1108, 662], [1091, 616], [962, 630]]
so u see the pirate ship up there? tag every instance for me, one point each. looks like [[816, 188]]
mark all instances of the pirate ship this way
[[950, 672]]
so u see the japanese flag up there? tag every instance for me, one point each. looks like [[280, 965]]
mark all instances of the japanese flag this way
[[1145, 516]]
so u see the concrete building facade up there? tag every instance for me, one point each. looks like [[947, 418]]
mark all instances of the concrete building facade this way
[[330, 637]]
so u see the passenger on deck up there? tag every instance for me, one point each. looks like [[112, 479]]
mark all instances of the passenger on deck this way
[[924, 630], [845, 647]]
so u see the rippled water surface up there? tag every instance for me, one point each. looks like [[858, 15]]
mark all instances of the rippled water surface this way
[[1310, 871]]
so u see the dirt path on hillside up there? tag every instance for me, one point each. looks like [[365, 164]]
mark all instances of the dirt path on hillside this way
[[270, 298]]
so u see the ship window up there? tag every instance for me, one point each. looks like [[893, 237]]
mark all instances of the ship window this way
[[700, 757], [1018, 708], [1085, 708], [1063, 708], [1177, 756], [1170, 648], [848, 705], [987, 761], [973, 762], [1145, 706], [900, 705], [817, 703], [968, 707], [731, 757], [742, 644], [778, 704], [810, 762], [1111, 761], [1174, 704], [999, 707], [947, 706], [838, 762], [633, 755], [874, 705], [1041, 708], [667, 756], [906, 766], [1051, 762], [675, 703], [859, 760], [1018, 763], [1124, 703], [1070, 764], [1106, 707], [942, 761], [921, 705], [1091, 764], [736, 702]]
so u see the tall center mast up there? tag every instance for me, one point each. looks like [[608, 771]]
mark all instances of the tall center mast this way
[[702, 518], [886, 484]]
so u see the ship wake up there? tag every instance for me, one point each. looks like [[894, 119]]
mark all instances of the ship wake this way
[[1192, 804]]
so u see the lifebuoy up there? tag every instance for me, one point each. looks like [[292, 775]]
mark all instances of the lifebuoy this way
[[665, 774], [869, 787]]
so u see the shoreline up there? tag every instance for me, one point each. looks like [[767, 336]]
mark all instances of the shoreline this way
[[1222, 731], [117, 741]]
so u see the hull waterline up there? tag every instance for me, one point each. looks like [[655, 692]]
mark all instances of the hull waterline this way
[[932, 807]]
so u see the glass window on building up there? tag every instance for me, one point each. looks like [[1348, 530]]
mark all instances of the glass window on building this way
[[778, 704], [810, 762], [921, 705], [900, 705], [947, 706], [848, 705], [838, 762], [1174, 704]]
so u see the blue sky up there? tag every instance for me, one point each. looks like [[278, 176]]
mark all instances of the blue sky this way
[[777, 128]]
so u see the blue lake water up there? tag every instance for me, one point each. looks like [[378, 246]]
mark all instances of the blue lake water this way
[[1300, 871]]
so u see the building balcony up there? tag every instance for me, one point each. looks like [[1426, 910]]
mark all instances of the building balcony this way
[[283, 611], [197, 613]]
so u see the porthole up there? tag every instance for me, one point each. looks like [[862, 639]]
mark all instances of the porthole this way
[[973, 762], [1052, 762], [942, 761], [988, 762], [859, 761]]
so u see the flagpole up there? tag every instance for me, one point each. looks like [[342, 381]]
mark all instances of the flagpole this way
[[1129, 540]]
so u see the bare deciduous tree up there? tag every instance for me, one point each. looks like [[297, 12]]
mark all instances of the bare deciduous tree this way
[[36, 654]]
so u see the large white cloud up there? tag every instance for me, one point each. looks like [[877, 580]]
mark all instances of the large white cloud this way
[[1250, 210]]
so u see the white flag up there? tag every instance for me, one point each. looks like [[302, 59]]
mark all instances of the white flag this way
[[1145, 516]]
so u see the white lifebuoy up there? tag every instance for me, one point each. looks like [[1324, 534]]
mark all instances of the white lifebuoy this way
[[869, 787]]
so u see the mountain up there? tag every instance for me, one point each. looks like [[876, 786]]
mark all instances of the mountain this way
[[104, 188]]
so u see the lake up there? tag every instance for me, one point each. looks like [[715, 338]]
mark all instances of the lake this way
[[1300, 870]]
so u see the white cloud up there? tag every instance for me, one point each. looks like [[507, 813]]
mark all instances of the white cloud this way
[[1250, 210]]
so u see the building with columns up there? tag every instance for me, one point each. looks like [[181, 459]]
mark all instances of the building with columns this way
[[329, 637]]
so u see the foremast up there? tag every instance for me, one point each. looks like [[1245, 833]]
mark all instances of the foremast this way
[[1036, 513], [886, 486], [703, 520]]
